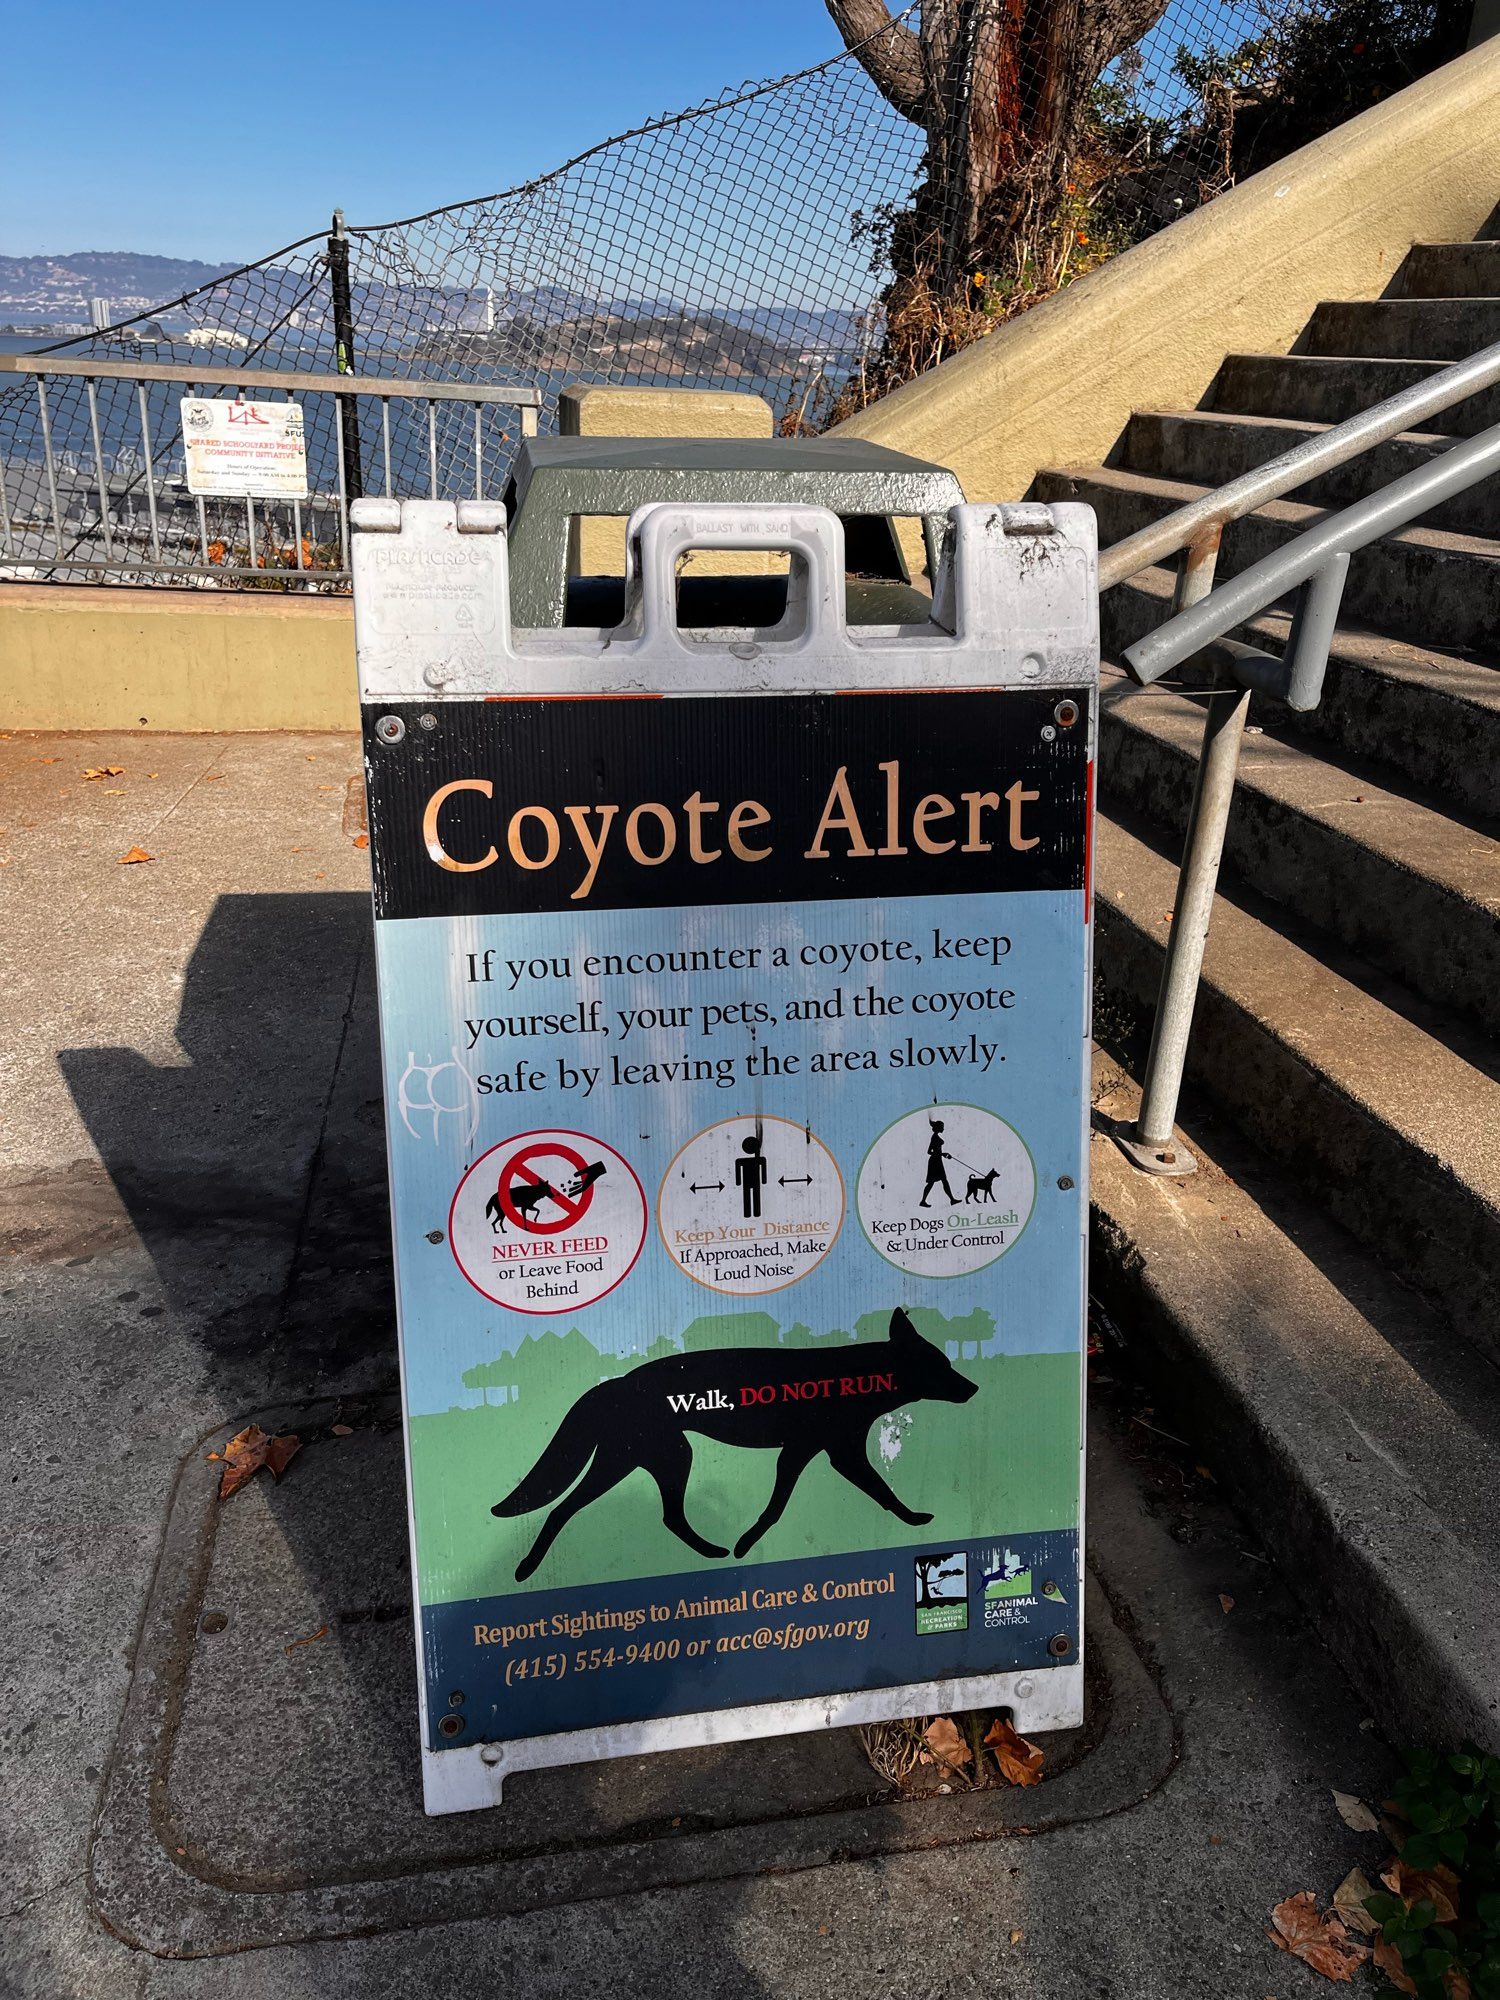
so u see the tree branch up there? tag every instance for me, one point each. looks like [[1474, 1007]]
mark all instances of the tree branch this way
[[886, 50]]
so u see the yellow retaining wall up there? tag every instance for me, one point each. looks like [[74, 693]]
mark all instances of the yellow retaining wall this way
[[586, 409], [1149, 329], [85, 656]]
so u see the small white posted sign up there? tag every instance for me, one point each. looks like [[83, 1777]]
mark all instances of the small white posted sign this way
[[239, 450]]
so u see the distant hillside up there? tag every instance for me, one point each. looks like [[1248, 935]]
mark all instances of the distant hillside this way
[[61, 287]]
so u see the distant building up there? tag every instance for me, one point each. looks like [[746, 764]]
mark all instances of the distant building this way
[[101, 313], [215, 336]]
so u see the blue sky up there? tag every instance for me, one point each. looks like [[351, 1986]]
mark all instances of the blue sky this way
[[191, 132]]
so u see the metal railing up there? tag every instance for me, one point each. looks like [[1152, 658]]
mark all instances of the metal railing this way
[[108, 496], [1315, 564]]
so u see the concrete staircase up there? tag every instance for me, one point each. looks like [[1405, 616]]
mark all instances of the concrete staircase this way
[[1321, 1303]]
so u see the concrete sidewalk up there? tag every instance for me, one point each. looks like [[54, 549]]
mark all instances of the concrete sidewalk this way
[[193, 1210]]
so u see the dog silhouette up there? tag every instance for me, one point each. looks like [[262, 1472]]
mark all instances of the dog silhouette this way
[[791, 1400], [982, 1186]]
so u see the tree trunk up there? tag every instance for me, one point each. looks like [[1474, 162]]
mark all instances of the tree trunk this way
[[1002, 89]]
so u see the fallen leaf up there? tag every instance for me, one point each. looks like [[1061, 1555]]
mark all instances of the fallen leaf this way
[[307, 1639], [135, 854], [361, 840], [1226, 1604], [1439, 1885], [1319, 1939], [945, 1740], [1018, 1937], [104, 770], [1355, 1814], [342, 1430], [248, 1451], [1202, 1470], [1349, 1900], [114, 791], [355, 818], [1020, 1762], [280, 1452], [212, 777], [1388, 1959]]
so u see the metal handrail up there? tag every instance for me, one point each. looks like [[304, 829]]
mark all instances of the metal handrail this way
[[1315, 563], [1281, 475], [1300, 561], [519, 395], [150, 550]]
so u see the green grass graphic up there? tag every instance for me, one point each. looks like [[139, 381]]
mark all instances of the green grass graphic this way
[[1004, 1463]]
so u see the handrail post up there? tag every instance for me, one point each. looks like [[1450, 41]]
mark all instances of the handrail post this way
[[343, 352], [1149, 1143]]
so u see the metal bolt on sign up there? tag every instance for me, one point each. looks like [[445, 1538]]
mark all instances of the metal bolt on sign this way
[[734, 1013]]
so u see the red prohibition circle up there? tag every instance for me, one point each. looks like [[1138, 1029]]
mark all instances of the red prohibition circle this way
[[517, 1164], [544, 1311]]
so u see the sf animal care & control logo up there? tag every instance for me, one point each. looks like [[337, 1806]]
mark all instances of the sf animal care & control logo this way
[[547, 1220]]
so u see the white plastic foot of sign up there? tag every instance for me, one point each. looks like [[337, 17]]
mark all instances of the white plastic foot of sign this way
[[469, 1780]]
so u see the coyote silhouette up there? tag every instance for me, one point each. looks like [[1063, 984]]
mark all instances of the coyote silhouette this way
[[795, 1400]]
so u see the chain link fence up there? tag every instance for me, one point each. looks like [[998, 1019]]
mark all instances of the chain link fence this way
[[752, 243]]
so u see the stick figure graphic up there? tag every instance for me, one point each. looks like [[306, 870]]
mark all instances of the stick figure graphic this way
[[751, 1173], [937, 1175]]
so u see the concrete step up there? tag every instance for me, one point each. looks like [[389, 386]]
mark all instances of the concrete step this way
[[1449, 271], [1360, 1441], [1434, 329], [1410, 890], [1385, 1110], [1209, 447], [1429, 716], [1329, 388], [1426, 584]]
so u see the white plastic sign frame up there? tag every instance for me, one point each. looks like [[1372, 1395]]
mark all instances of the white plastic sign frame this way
[[536, 1221]]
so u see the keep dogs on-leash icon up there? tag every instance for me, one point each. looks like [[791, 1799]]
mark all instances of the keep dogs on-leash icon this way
[[908, 1197]]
